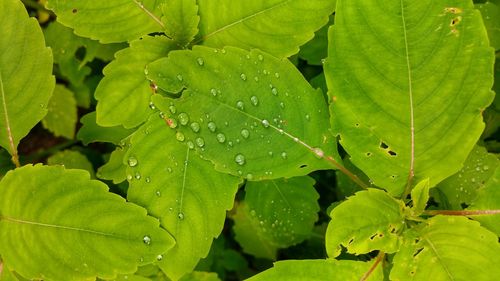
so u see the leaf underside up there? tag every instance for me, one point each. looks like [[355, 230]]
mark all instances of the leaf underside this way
[[240, 110], [425, 65], [57, 224], [174, 184]]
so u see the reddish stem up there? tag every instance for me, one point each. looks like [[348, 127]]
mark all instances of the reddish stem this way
[[378, 259]]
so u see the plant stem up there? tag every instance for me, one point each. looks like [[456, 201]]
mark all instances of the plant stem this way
[[346, 172], [462, 212], [378, 259], [49, 151]]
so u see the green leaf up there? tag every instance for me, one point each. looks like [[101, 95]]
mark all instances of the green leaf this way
[[370, 220], [181, 20], [200, 276], [114, 169], [182, 190], [277, 213], [491, 17], [71, 159], [462, 187], [408, 82], [251, 114], [57, 224], [318, 270], [62, 113], [109, 21], [278, 27], [316, 50], [420, 196], [26, 80], [91, 132], [124, 93], [447, 248], [488, 198]]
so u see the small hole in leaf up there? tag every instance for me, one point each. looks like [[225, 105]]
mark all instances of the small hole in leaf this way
[[350, 241], [417, 240], [373, 236], [418, 252], [368, 154], [74, 11], [464, 206], [455, 21], [80, 53], [383, 145], [357, 124], [392, 153], [393, 176], [303, 166], [380, 235]]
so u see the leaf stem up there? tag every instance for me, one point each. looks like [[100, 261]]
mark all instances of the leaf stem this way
[[346, 172], [378, 259], [462, 212]]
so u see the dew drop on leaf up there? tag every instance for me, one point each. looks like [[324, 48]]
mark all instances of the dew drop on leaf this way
[[240, 159], [213, 92], [179, 136], [132, 161], [146, 239], [200, 142], [211, 126], [245, 133], [249, 176], [284, 155], [183, 118], [265, 123], [158, 193], [240, 105], [148, 179], [200, 61], [243, 77], [274, 91], [152, 106], [137, 176], [195, 127], [180, 216], [159, 257], [318, 152], [277, 75], [221, 137], [260, 57], [190, 144], [172, 109], [179, 77], [254, 100]]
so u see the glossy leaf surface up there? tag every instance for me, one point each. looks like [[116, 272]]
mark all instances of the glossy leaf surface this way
[[57, 224], [407, 84], [182, 190], [240, 110]]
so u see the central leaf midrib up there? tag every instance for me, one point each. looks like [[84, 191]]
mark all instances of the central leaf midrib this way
[[6, 117]]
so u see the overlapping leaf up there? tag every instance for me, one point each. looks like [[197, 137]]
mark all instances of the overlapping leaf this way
[[408, 82], [91, 132], [489, 199], [114, 169], [109, 21], [180, 188], [491, 17], [318, 270], [251, 114], [61, 116], [369, 220], [278, 27], [448, 248], [57, 224], [276, 214], [181, 20], [71, 159], [124, 93], [26, 80]]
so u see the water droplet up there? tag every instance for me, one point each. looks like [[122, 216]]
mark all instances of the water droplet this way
[[172, 122], [129, 177], [179, 136], [211, 126], [180, 216], [282, 104], [277, 75], [158, 193], [249, 177], [137, 176], [245, 133], [308, 117], [200, 61], [179, 77], [162, 115], [146, 239], [213, 92], [260, 57], [190, 145], [240, 105], [132, 161], [152, 105], [148, 179], [274, 91], [223, 51], [265, 123], [169, 170], [253, 213], [200, 142], [256, 79], [243, 77], [319, 153], [240, 159], [254, 100], [221, 137], [195, 127], [159, 257], [172, 109], [183, 118], [270, 153], [284, 155]]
